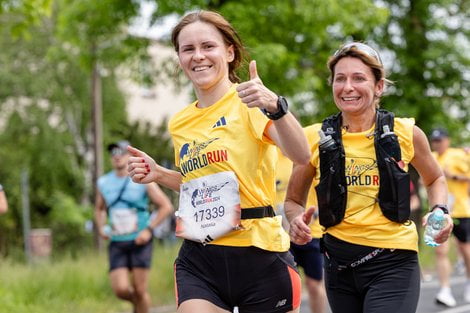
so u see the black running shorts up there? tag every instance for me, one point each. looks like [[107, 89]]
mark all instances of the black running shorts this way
[[129, 254], [389, 282], [461, 229], [250, 278]]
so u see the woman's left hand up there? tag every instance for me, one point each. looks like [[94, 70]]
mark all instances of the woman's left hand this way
[[445, 233], [254, 94]]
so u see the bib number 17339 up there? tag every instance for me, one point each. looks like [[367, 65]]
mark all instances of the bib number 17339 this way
[[209, 207]]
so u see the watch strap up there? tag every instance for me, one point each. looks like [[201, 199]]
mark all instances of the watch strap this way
[[281, 110], [443, 207]]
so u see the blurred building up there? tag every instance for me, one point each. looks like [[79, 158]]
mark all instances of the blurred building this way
[[163, 99]]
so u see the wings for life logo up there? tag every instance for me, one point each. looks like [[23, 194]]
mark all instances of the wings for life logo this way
[[204, 194], [193, 155], [358, 172]]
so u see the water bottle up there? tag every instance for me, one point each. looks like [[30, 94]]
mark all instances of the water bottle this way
[[436, 222], [326, 141]]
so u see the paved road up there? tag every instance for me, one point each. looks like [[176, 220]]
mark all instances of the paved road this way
[[426, 301]]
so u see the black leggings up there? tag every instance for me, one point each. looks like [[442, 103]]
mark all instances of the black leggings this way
[[387, 283]]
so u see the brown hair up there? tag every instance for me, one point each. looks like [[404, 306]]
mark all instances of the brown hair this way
[[229, 34], [374, 64]]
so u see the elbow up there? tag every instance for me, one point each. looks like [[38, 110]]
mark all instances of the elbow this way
[[301, 158]]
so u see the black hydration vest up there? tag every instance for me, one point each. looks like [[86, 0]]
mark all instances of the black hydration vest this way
[[394, 183]]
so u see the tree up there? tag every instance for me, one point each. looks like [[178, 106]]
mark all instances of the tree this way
[[430, 62], [46, 109]]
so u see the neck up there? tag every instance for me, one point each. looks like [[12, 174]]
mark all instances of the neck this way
[[121, 172], [358, 123], [209, 96]]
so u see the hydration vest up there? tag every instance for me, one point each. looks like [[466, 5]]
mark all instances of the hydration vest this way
[[394, 186]]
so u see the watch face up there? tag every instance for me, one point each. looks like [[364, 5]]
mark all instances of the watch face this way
[[283, 105]]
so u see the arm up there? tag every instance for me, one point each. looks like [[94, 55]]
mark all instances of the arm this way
[[143, 170], [3, 202], [100, 214], [161, 201], [296, 198], [432, 177], [288, 135], [165, 208]]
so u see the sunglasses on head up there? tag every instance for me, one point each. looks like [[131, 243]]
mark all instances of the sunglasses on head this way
[[360, 47], [118, 151]]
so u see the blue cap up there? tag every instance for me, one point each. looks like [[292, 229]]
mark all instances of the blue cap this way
[[439, 133]]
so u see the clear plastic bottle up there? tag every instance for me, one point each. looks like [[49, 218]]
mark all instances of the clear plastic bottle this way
[[436, 222], [326, 141]]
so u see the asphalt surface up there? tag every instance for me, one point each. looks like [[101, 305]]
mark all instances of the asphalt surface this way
[[426, 302]]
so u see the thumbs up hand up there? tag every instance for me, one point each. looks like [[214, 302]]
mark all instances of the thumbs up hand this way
[[254, 94]]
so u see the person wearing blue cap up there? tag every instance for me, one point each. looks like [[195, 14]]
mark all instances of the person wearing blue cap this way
[[122, 217], [455, 163]]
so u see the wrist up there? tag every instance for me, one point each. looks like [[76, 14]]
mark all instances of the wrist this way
[[443, 207], [149, 228], [282, 109]]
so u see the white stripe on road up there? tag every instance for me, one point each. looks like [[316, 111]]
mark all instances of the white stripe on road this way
[[460, 309]]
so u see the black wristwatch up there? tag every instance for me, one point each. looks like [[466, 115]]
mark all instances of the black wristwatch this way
[[443, 207], [282, 109]]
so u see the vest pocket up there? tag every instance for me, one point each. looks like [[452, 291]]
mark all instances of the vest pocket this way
[[394, 193], [331, 189]]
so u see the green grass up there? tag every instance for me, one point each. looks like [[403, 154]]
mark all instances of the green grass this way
[[78, 285]]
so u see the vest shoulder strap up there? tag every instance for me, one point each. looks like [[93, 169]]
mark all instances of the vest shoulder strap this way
[[332, 126], [384, 134]]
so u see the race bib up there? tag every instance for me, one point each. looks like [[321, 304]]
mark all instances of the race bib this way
[[209, 207], [123, 221]]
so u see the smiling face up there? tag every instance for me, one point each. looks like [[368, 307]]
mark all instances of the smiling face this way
[[354, 87], [204, 56]]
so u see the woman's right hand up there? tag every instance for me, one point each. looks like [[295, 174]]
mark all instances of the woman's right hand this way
[[141, 167], [299, 230]]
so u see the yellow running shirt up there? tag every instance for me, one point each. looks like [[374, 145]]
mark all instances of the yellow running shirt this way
[[456, 162], [364, 223], [228, 136]]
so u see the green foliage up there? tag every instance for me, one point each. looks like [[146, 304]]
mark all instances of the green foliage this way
[[97, 29], [78, 284], [46, 110], [67, 222], [430, 63], [24, 13]]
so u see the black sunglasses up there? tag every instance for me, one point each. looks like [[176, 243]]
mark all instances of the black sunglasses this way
[[361, 47]]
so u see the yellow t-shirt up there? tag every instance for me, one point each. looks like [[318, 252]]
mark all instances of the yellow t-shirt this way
[[363, 222], [228, 136], [283, 172], [456, 162]]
